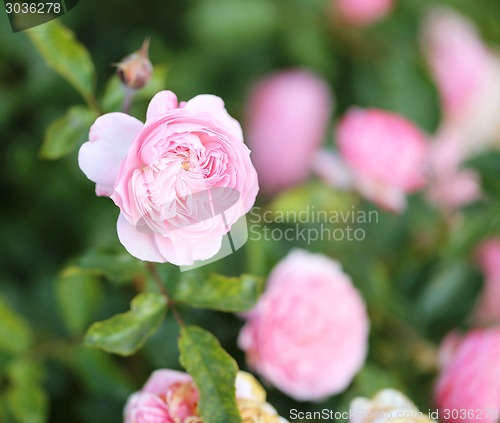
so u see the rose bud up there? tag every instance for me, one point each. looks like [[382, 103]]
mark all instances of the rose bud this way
[[386, 153], [135, 70], [287, 118], [469, 379], [308, 333]]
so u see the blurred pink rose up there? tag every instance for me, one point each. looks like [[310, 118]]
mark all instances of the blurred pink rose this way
[[467, 75], [362, 12], [167, 175], [308, 334], [172, 397], [470, 378], [450, 186], [487, 308], [287, 118], [386, 153]]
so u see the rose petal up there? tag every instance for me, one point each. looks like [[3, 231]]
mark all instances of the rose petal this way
[[215, 106], [101, 156], [140, 244], [161, 103], [184, 252], [161, 380]]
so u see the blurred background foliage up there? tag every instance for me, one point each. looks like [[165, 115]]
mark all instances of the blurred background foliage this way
[[417, 278]]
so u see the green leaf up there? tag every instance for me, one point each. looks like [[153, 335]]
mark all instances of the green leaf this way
[[229, 23], [65, 55], [114, 93], [487, 165], [79, 295], [101, 374], [15, 333], [28, 404], [218, 292], [26, 400], [24, 371], [397, 81], [214, 372], [126, 333], [66, 132], [116, 266], [448, 297]]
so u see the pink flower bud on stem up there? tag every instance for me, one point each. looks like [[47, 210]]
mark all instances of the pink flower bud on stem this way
[[135, 71]]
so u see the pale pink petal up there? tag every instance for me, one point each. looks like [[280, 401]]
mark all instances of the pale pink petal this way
[[215, 106], [184, 252], [140, 244], [161, 380], [332, 170], [101, 156], [161, 103]]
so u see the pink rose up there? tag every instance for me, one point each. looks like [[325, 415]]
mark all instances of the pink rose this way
[[172, 176], [487, 308], [287, 117], [467, 76], [470, 378], [308, 334], [172, 397], [451, 186], [362, 12], [386, 153], [167, 397]]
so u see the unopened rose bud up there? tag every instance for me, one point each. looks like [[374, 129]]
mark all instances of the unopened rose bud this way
[[135, 70]]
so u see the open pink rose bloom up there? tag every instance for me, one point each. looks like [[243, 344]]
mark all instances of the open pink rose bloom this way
[[181, 180], [308, 334], [170, 396]]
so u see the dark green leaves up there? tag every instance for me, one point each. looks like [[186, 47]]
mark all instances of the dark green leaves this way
[[15, 334], [67, 132], [126, 333], [65, 55], [26, 399], [79, 295], [488, 167], [214, 372], [218, 292]]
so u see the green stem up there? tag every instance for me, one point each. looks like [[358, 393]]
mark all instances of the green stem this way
[[93, 104], [159, 283]]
